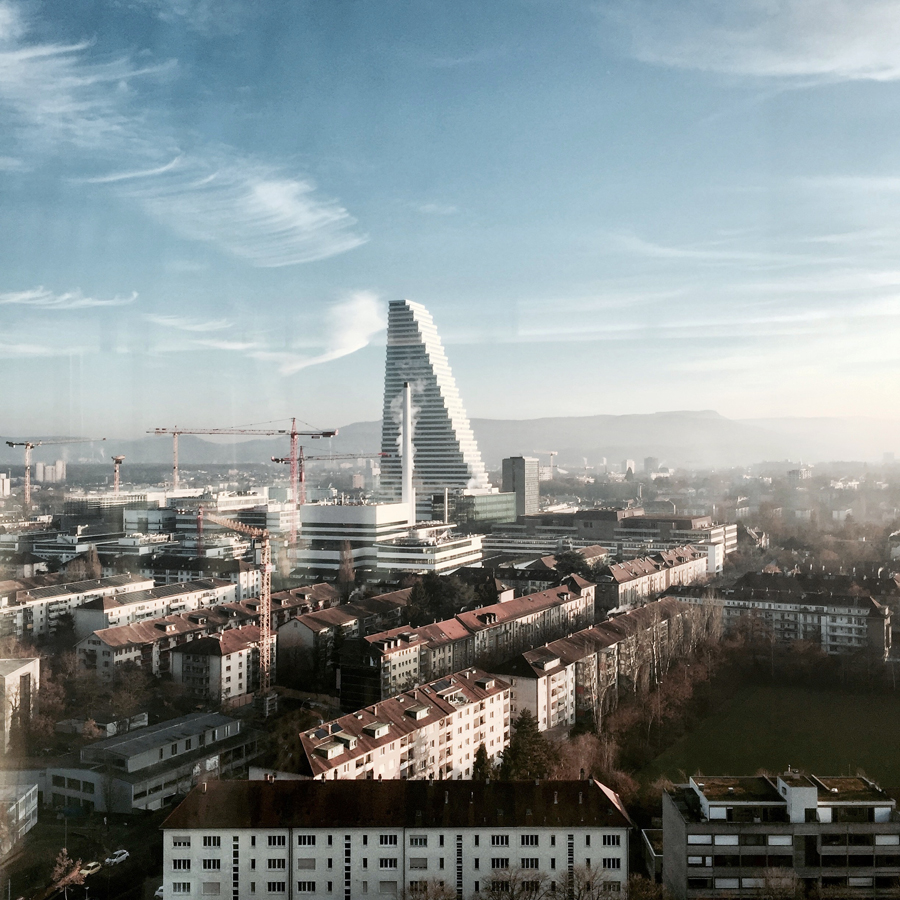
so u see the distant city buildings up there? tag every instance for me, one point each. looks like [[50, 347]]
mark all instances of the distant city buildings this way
[[521, 476]]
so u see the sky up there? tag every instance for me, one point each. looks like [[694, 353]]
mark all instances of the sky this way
[[621, 206]]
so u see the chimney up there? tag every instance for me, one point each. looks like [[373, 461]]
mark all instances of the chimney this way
[[408, 494]]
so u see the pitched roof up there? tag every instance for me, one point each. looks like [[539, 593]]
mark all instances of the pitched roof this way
[[232, 640], [400, 804]]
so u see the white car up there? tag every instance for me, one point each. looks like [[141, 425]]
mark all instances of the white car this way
[[158, 894], [90, 869], [117, 857]]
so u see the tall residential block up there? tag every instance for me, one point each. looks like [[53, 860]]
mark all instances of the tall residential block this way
[[446, 455], [521, 476]]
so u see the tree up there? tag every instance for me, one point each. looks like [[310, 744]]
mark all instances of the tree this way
[[516, 883], [572, 562], [66, 872], [529, 754], [640, 888], [438, 597], [432, 889], [481, 766]]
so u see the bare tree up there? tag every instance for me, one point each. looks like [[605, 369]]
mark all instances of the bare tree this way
[[516, 883], [430, 889], [66, 872]]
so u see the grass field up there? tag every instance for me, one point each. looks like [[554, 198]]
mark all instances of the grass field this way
[[825, 732]]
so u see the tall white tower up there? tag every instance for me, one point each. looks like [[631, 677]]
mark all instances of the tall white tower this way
[[446, 455]]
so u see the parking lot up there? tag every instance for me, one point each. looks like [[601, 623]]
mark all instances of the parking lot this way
[[27, 872]]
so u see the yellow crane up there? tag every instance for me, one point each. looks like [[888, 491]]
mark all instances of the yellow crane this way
[[265, 696]]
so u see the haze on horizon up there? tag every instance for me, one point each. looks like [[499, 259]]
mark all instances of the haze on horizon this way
[[608, 207]]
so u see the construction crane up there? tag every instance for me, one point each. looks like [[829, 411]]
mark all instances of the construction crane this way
[[265, 598], [30, 445], [298, 476], [294, 434], [117, 462]]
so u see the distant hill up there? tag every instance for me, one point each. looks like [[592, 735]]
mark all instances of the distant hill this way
[[685, 438]]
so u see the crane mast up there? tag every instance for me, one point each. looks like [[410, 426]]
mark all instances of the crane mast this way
[[265, 597], [29, 446]]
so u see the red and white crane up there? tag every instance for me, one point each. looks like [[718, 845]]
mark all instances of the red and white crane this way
[[30, 445], [292, 432], [117, 462]]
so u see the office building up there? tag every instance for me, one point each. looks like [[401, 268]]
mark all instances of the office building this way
[[521, 476], [352, 840], [446, 455]]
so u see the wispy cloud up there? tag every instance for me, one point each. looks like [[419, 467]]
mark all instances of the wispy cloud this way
[[21, 350], [803, 40], [710, 253], [253, 211], [184, 323], [208, 17], [56, 94], [352, 324], [42, 298], [437, 209]]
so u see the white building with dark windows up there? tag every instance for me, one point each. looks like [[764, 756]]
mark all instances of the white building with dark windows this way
[[446, 455], [287, 839]]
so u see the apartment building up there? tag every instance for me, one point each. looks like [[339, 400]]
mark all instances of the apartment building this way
[[626, 584], [139, 606], [402, 657], [34, 612], [19, 809], [169, 568], [308, 643], [395, 838], [222, 668], [429, 732], [580, 677], [753, 836], [837, 622]]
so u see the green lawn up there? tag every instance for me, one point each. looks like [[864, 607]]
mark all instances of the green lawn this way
[[825, 732]]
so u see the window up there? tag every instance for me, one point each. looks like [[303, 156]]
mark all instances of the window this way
[[529, 840], [306, 887], [387, 840], [181, 865], [212, 864], [276, 864], [612, 862], [181, 841], [181, 887], [277, 840], [59, 781], [306, 840], [612, 840], [587, 840], [387, 862], [552, 840], [210, 888], [529, 862], [308, 863], [418, 841], [212, 840], [499, 840], [252, 863], [276, 887], [418, 862], [476, 840], [500, 862]]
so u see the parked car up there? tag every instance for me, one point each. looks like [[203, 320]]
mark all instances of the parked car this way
[[90, 869], [158, 893], [117, 857]]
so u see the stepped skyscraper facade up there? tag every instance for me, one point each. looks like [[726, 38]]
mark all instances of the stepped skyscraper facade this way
[[446, 455]]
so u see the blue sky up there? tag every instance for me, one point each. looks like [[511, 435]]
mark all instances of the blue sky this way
[[608, 207]]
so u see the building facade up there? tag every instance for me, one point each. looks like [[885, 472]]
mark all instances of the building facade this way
[[446, 455], [521, 476], [395, 838], [764, 836]]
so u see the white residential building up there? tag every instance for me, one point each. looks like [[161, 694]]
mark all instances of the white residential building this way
[[430, 732], [397, 839], [34, 613], [19, 806], [139, 606], [20, 680]]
